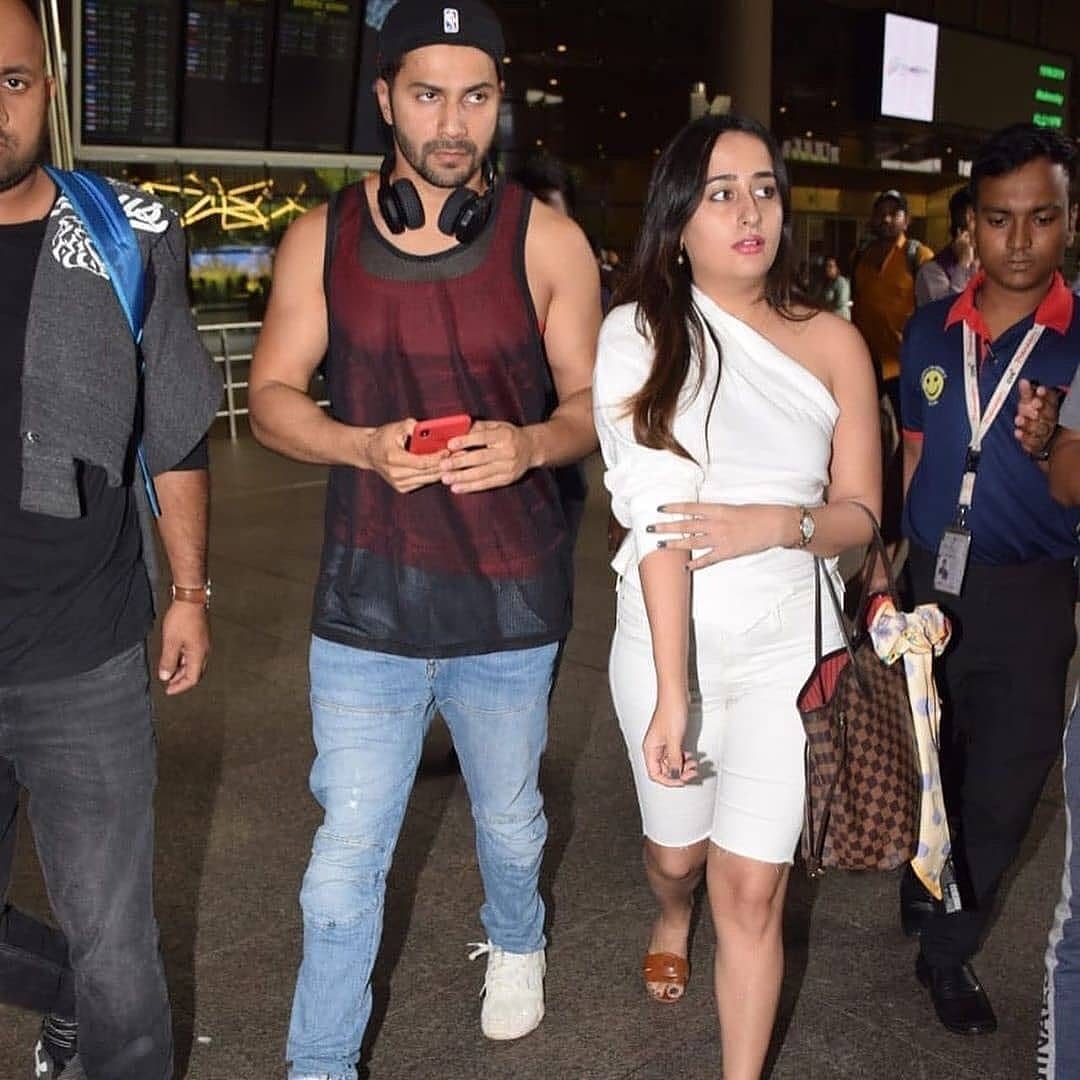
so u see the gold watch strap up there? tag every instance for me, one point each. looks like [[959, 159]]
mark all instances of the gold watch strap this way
[[192, 594]]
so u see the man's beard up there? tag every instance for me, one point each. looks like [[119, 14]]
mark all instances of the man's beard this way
[[444, 178], [18, 168]]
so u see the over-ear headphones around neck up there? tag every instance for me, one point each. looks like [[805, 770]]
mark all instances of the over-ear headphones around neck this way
[[463, 216]]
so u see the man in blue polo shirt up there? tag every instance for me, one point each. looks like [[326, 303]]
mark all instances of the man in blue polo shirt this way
[[988, 543]]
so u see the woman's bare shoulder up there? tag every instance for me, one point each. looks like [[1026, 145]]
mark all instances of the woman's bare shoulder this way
[[828, 333], [826, 344]]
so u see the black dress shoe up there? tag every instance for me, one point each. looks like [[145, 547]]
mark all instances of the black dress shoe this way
[[959, 999], [915, 913]]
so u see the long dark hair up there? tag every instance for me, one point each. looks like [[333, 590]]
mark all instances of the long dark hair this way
[[660, 284]]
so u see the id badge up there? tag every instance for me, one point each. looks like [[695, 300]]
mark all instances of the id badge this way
[[952, 558], [950, 890]]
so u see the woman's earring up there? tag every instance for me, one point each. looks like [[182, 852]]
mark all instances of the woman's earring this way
[[681, 260]]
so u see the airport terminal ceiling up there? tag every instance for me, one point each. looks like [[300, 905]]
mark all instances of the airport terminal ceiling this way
[[602, 87], [584, 82]]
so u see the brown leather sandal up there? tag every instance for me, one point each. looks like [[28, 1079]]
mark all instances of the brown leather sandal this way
[[669, 971]]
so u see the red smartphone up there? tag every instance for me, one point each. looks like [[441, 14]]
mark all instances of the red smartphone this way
[[431, 436]]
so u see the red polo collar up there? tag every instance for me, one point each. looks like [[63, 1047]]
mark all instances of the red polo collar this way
[[1054, 311]]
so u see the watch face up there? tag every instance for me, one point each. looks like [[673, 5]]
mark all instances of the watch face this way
[[806, 527]]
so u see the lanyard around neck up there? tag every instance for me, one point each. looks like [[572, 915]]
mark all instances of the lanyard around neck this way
[[980, 421]]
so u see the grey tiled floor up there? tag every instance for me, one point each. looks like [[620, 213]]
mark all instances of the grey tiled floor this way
[[235, 824]]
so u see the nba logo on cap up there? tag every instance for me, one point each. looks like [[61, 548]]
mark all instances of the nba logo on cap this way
[[451, 23]]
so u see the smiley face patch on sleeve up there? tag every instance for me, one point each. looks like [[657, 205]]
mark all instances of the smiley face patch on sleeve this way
[[932, 382]]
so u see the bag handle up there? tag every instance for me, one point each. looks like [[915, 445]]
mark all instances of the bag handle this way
[[849, 643], [877, 550], [816, 841]]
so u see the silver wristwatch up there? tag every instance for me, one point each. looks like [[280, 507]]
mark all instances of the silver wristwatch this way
[[806, 526]]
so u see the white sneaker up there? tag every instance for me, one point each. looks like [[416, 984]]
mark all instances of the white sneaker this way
[[45, 1068], [513, 991]]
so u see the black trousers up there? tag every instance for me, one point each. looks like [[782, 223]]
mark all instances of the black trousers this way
[[83, 747], [1002, 683]]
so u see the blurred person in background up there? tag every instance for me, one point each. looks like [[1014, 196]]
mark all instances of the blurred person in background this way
[[550, 181], [950, 270], [883, 276], [836, 290], [883, 284]]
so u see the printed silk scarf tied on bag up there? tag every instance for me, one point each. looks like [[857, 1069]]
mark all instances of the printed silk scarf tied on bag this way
[[918, 636]]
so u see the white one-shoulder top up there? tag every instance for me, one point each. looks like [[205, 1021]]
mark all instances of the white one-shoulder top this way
[[769, 441]]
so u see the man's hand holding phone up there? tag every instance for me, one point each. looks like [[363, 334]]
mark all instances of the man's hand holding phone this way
[[493, 454], [432, 436], [385, 449]]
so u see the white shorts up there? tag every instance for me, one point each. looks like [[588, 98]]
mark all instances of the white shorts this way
[[744, 726]]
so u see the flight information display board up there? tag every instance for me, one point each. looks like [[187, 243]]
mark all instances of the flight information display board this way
[[933, 73], [368, 135], [130, 58], [1020, 83], [315, 60], [227, 66]]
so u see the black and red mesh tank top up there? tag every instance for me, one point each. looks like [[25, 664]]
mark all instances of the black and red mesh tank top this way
[[433, 574]]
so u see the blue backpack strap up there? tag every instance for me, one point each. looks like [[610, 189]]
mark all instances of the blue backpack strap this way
[[114, 240]]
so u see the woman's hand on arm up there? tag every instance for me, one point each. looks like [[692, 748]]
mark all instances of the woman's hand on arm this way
[[722, 531]]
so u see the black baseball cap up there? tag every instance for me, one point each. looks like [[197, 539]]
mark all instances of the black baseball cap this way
[[412, 24], [896, 197]]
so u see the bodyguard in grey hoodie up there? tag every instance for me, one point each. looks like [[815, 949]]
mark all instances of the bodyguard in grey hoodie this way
[[75, 589]]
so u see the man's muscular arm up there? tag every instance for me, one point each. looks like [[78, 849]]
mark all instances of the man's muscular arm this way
[[561, 255], [565, 285], [292, 343]]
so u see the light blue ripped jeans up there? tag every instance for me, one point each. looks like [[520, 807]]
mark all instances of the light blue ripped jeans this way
[[370, 712]]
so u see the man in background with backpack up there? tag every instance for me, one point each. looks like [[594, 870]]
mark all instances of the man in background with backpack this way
[[76, 599], [883, 282]]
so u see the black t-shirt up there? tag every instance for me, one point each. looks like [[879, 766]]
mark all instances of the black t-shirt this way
[[73, 592]]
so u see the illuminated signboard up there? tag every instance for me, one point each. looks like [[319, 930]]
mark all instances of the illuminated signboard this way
[[930, 72], [909, 67]]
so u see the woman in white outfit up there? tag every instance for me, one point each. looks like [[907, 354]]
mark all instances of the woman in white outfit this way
[[724, 400]]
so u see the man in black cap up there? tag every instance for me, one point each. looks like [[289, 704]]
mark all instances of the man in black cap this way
[[883, 283], [883, 277], [458, 318]]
